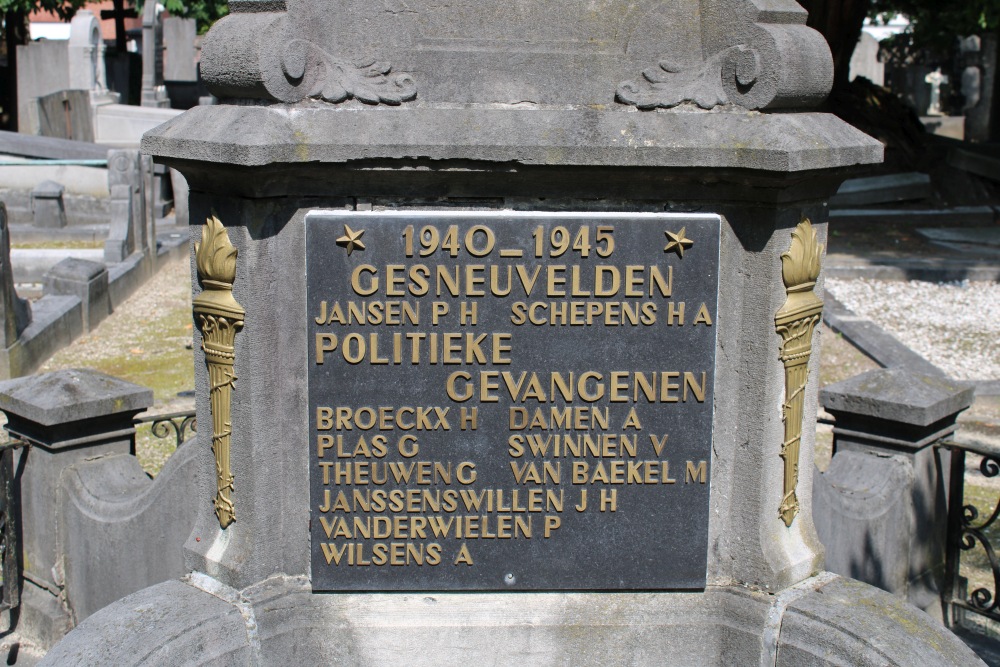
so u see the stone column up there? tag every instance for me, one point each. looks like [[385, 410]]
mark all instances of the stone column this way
[[65, 418], [154, 92], [881, 508]]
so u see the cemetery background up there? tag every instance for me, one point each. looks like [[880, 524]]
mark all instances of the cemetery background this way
[[857, 241]]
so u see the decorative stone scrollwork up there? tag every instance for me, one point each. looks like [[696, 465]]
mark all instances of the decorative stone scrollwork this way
[[795, 322], [219, 317], [669, 85], [261, 53], [369, 81], [763, 66]]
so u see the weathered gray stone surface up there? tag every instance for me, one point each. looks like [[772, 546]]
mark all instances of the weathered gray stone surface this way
[[750, 53], [84, 495], [526, 106], [16, 312], [85, 280], [874, 341], [15, 143], [178, 40], [47, 206], [121, 235], [41, 70], [125, 170], [110, 502], [66, 114], [67, 396], [882, 507], [86, 53], [194, 629], [882, 189], [55, 322], [154, 93], [898, 395], [862, 506], [259, 135], [68, 417], [850, 623], [279, 621]]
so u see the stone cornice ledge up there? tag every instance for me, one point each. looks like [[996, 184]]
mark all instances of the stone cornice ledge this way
[[252, 136]]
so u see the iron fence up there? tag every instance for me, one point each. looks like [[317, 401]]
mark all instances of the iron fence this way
[[969, 529], [182, 425]]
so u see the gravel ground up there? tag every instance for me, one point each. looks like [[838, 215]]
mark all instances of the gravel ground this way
[[955, 326], [146, 340]]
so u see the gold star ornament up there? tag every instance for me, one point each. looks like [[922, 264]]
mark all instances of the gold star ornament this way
[[351, 239], [677, 242]]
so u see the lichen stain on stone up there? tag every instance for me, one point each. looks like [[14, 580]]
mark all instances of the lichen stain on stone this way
[[555, 156], [301, 145], [925, 632]]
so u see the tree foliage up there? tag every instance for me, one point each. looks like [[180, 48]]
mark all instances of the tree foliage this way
[[934, 24], [63, 8], [205, 12]]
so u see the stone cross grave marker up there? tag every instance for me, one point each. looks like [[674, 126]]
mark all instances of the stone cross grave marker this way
[[935, 79]]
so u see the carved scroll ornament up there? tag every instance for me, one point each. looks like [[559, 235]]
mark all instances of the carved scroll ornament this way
[[795, 322], [219, 317], [336, 80], [669, 85], [259, 52], [760, 66]]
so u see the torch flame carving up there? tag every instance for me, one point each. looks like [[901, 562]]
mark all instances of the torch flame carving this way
[[219, 317], [795, 322]]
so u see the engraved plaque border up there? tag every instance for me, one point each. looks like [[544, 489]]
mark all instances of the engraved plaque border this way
[[657, 536]]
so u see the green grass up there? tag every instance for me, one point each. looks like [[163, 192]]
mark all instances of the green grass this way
[[145, 341]]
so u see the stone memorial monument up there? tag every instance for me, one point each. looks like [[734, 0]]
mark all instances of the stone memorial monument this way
[[86, 59], [506, 320]]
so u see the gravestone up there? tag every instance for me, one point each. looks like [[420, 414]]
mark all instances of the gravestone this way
[[454, 252], [978, 83], [47, 207], [129, 217], [86, 280], [66, 114], [178, 41], [87, 69], [16, 311], [76, 65], [154, 93], [882, 506], [41, 70], [865, 62]]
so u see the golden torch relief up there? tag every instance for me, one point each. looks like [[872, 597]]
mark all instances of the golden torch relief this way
[[795, 322], [219, 317]]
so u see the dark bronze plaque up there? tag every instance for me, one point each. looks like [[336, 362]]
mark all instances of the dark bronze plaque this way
[[510, 401]]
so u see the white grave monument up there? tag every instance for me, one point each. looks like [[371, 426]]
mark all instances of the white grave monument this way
[[86, 59]]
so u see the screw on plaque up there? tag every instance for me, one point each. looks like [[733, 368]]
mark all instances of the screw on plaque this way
[[509, 579]]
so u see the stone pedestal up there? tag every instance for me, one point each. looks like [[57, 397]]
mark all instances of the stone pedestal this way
[[85, 280], [66, 418], [530, 107], [882, 507]]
